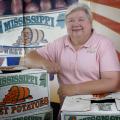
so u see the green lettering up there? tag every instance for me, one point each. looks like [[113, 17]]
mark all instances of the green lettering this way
[[105, 117], [7, 25], [98, 118]]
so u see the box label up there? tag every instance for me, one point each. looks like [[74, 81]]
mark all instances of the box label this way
[[23, 93]]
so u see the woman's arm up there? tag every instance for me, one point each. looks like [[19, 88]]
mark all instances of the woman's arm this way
[[35, 60], [109, 82]]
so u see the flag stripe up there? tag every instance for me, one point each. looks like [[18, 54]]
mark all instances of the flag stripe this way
[[106, 11], [115, 26], [112, 3]]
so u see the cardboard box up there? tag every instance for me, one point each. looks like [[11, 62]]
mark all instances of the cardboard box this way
[[43, 114], [21, 33], [85, 107], [24, 93]]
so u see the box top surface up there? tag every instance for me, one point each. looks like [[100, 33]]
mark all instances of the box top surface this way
[[83, 103]]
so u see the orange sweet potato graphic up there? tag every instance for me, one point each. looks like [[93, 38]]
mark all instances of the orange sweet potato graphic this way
[[16, 94]]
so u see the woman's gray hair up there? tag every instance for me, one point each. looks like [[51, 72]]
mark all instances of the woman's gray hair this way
[[79, 6]]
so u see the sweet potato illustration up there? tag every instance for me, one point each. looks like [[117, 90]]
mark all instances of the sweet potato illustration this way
[[16, 94]]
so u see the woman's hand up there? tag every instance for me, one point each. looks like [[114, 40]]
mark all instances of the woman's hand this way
[[100, 96], [51, 67]]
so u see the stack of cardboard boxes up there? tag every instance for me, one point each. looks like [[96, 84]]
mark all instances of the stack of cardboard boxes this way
[[25, 95]]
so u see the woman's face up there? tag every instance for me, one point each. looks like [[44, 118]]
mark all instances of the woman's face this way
[[27, 36], [78, 24]]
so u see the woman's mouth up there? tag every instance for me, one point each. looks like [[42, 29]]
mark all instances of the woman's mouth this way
[[77, 28]]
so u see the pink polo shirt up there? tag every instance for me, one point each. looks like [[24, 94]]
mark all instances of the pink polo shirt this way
[[95, 56]]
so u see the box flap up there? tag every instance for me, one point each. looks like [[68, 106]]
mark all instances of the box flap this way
[[117, 101], [75, 103], [114, 95]]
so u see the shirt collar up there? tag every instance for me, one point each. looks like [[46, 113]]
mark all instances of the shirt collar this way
[[67, 41], [90, 41]]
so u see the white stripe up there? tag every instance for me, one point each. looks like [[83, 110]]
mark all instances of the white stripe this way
[[115, 37], [84, 1], [106, 11]]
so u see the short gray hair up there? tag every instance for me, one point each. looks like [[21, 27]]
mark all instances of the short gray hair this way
[[79, 6]]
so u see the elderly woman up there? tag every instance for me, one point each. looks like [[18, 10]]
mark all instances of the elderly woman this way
[[85, 61]]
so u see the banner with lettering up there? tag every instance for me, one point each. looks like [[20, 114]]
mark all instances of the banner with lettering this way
[[23, 93], [21, 33]]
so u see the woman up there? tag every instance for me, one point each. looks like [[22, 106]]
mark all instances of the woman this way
[[85, 61]]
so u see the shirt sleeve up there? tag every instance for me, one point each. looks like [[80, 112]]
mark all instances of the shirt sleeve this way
[[48, 51], [108, 57]]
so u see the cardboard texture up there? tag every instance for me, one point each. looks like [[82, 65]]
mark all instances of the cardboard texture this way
[[43, 114], [21, 33], [87, 107], [23, 93]]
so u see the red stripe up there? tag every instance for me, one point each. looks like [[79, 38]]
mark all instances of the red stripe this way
[[112, 3], [115, 26]]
